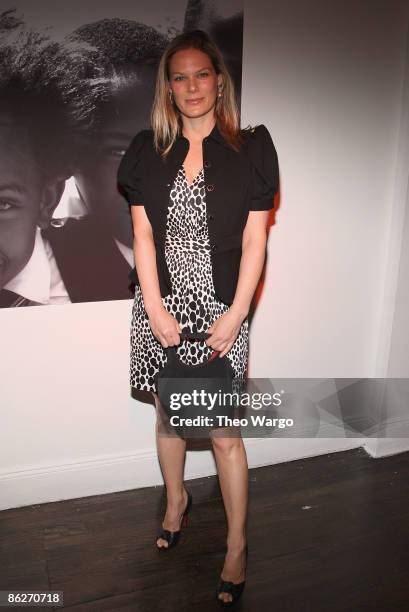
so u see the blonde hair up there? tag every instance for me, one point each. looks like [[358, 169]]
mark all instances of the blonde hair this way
[[165, 117]]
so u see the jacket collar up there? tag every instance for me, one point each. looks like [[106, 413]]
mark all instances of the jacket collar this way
[[215, 135]]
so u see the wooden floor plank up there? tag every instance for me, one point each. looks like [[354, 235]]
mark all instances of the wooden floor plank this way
[[325, 533]]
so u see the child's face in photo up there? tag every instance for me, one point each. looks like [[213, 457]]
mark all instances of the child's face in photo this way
[[96, 179], [26, 199]]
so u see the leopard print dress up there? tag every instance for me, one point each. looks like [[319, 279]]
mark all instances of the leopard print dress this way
[[193, 301]]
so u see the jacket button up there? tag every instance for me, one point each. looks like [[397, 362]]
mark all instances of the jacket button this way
[[207, 164], [214, 247], [210, 217], [210, 187]]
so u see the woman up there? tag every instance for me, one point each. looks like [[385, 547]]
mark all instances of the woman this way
[[200, 190]]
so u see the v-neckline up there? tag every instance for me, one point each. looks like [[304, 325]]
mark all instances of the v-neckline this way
[[194, 180]]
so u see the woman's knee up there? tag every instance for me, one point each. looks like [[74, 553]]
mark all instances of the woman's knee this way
[[226, 445]]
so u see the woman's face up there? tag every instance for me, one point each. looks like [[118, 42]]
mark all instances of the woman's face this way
[[194, 82]]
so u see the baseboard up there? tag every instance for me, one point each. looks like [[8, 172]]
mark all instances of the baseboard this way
[[30, 485]]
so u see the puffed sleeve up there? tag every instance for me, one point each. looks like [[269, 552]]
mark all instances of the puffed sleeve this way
[[130, 171], [264, 160]]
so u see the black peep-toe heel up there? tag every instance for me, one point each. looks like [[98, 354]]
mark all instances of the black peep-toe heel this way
[[235, 590], [172, 537]]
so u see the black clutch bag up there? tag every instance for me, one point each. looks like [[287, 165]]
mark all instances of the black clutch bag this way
[[196, 398]]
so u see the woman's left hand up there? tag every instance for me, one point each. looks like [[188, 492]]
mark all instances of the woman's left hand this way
[[224, 332]]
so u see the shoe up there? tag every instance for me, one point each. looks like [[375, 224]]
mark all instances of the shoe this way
[[225, 586], [172, 537]]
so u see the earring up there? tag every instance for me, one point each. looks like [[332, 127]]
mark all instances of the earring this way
[[170, 95], [220, 91]]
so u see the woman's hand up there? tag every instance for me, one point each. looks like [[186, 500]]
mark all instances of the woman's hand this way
[[164, 326], [224, 332]]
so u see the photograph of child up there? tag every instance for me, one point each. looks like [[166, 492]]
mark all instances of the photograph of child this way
[[66, 233]]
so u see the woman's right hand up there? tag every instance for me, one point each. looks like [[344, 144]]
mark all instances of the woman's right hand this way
[[164, 327]]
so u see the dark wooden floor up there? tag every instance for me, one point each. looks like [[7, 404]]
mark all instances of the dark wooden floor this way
[[330, 533]]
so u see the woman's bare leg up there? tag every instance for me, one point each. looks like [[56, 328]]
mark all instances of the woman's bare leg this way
[[232, 467], [171, 452]]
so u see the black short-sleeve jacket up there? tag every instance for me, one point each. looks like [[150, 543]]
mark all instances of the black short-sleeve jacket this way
[[236, 183]]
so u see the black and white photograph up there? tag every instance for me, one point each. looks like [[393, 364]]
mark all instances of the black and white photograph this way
[[73, 93]]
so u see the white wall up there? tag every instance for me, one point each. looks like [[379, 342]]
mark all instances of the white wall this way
[[393, 353], [327, 79]]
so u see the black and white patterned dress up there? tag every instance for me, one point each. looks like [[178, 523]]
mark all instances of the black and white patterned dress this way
[[192, 302]]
